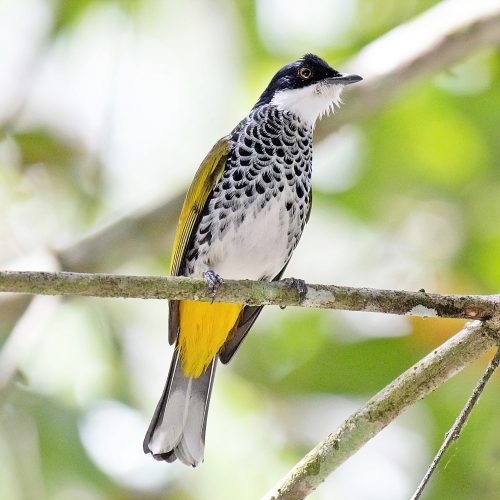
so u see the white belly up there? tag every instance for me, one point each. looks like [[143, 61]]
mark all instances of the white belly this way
[[256, 249]]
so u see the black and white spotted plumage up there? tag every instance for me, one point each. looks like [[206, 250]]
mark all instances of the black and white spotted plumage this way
[[258, 209]]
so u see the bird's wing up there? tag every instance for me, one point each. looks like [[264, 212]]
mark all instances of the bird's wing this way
[[203, 184]]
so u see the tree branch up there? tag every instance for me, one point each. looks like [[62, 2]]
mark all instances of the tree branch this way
[[454, 433], [421, 379], [252, 293]]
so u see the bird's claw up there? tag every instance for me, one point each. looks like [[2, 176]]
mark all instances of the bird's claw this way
[[299, 285], [213, 281]]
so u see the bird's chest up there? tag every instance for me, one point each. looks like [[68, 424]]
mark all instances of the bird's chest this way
[[258, 209], [253, 243]]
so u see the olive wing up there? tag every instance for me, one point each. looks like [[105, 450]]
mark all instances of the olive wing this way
[[207, 176]]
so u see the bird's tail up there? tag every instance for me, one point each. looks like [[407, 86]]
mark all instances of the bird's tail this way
[[177, 429]]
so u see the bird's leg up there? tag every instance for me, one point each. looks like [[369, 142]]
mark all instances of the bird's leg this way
[[213, 281], [299, 285]]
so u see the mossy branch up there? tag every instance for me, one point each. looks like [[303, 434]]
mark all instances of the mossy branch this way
[[421, 379], [253, 293], [454, 433]]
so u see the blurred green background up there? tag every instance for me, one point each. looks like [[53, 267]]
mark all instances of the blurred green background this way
[[106, 110]]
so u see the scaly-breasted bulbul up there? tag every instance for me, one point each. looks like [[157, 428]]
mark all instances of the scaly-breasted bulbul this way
[[242, 218]]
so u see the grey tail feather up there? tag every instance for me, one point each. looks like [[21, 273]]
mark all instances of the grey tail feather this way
[[177, 429]]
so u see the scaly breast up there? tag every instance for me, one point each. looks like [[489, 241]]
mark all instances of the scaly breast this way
[[255, 247]]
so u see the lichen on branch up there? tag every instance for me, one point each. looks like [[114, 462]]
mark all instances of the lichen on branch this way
[[254, 293]]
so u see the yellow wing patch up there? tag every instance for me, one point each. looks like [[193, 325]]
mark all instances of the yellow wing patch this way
[[204, 181]]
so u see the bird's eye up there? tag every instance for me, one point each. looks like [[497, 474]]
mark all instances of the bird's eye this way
[[305, 73]]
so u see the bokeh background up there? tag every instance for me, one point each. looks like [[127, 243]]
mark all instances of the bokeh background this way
[[106, 110]]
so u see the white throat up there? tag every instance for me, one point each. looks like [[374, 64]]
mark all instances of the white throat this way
[[309, 103]]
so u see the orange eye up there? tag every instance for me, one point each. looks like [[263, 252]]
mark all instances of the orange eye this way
[[305, 73]]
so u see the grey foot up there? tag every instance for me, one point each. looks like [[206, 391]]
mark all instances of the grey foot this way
[[213, 281], [299, 285]]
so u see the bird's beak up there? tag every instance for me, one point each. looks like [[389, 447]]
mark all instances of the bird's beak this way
[[344, 79]]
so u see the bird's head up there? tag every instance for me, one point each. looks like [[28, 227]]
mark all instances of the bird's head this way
[[309, 88]]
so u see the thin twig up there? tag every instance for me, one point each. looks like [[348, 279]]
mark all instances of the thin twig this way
[[456, 429], [253, 293], [421, 379]]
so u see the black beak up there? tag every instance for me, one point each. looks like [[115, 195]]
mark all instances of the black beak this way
[[344, 79]]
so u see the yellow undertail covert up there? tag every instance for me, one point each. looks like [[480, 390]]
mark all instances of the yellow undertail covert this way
[[203, 329]]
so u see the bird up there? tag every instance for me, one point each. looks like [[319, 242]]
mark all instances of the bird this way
[[242, 219]]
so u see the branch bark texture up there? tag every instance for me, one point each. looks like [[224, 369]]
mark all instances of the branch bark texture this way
[[454, 433], [421, 379], [253, 293]]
